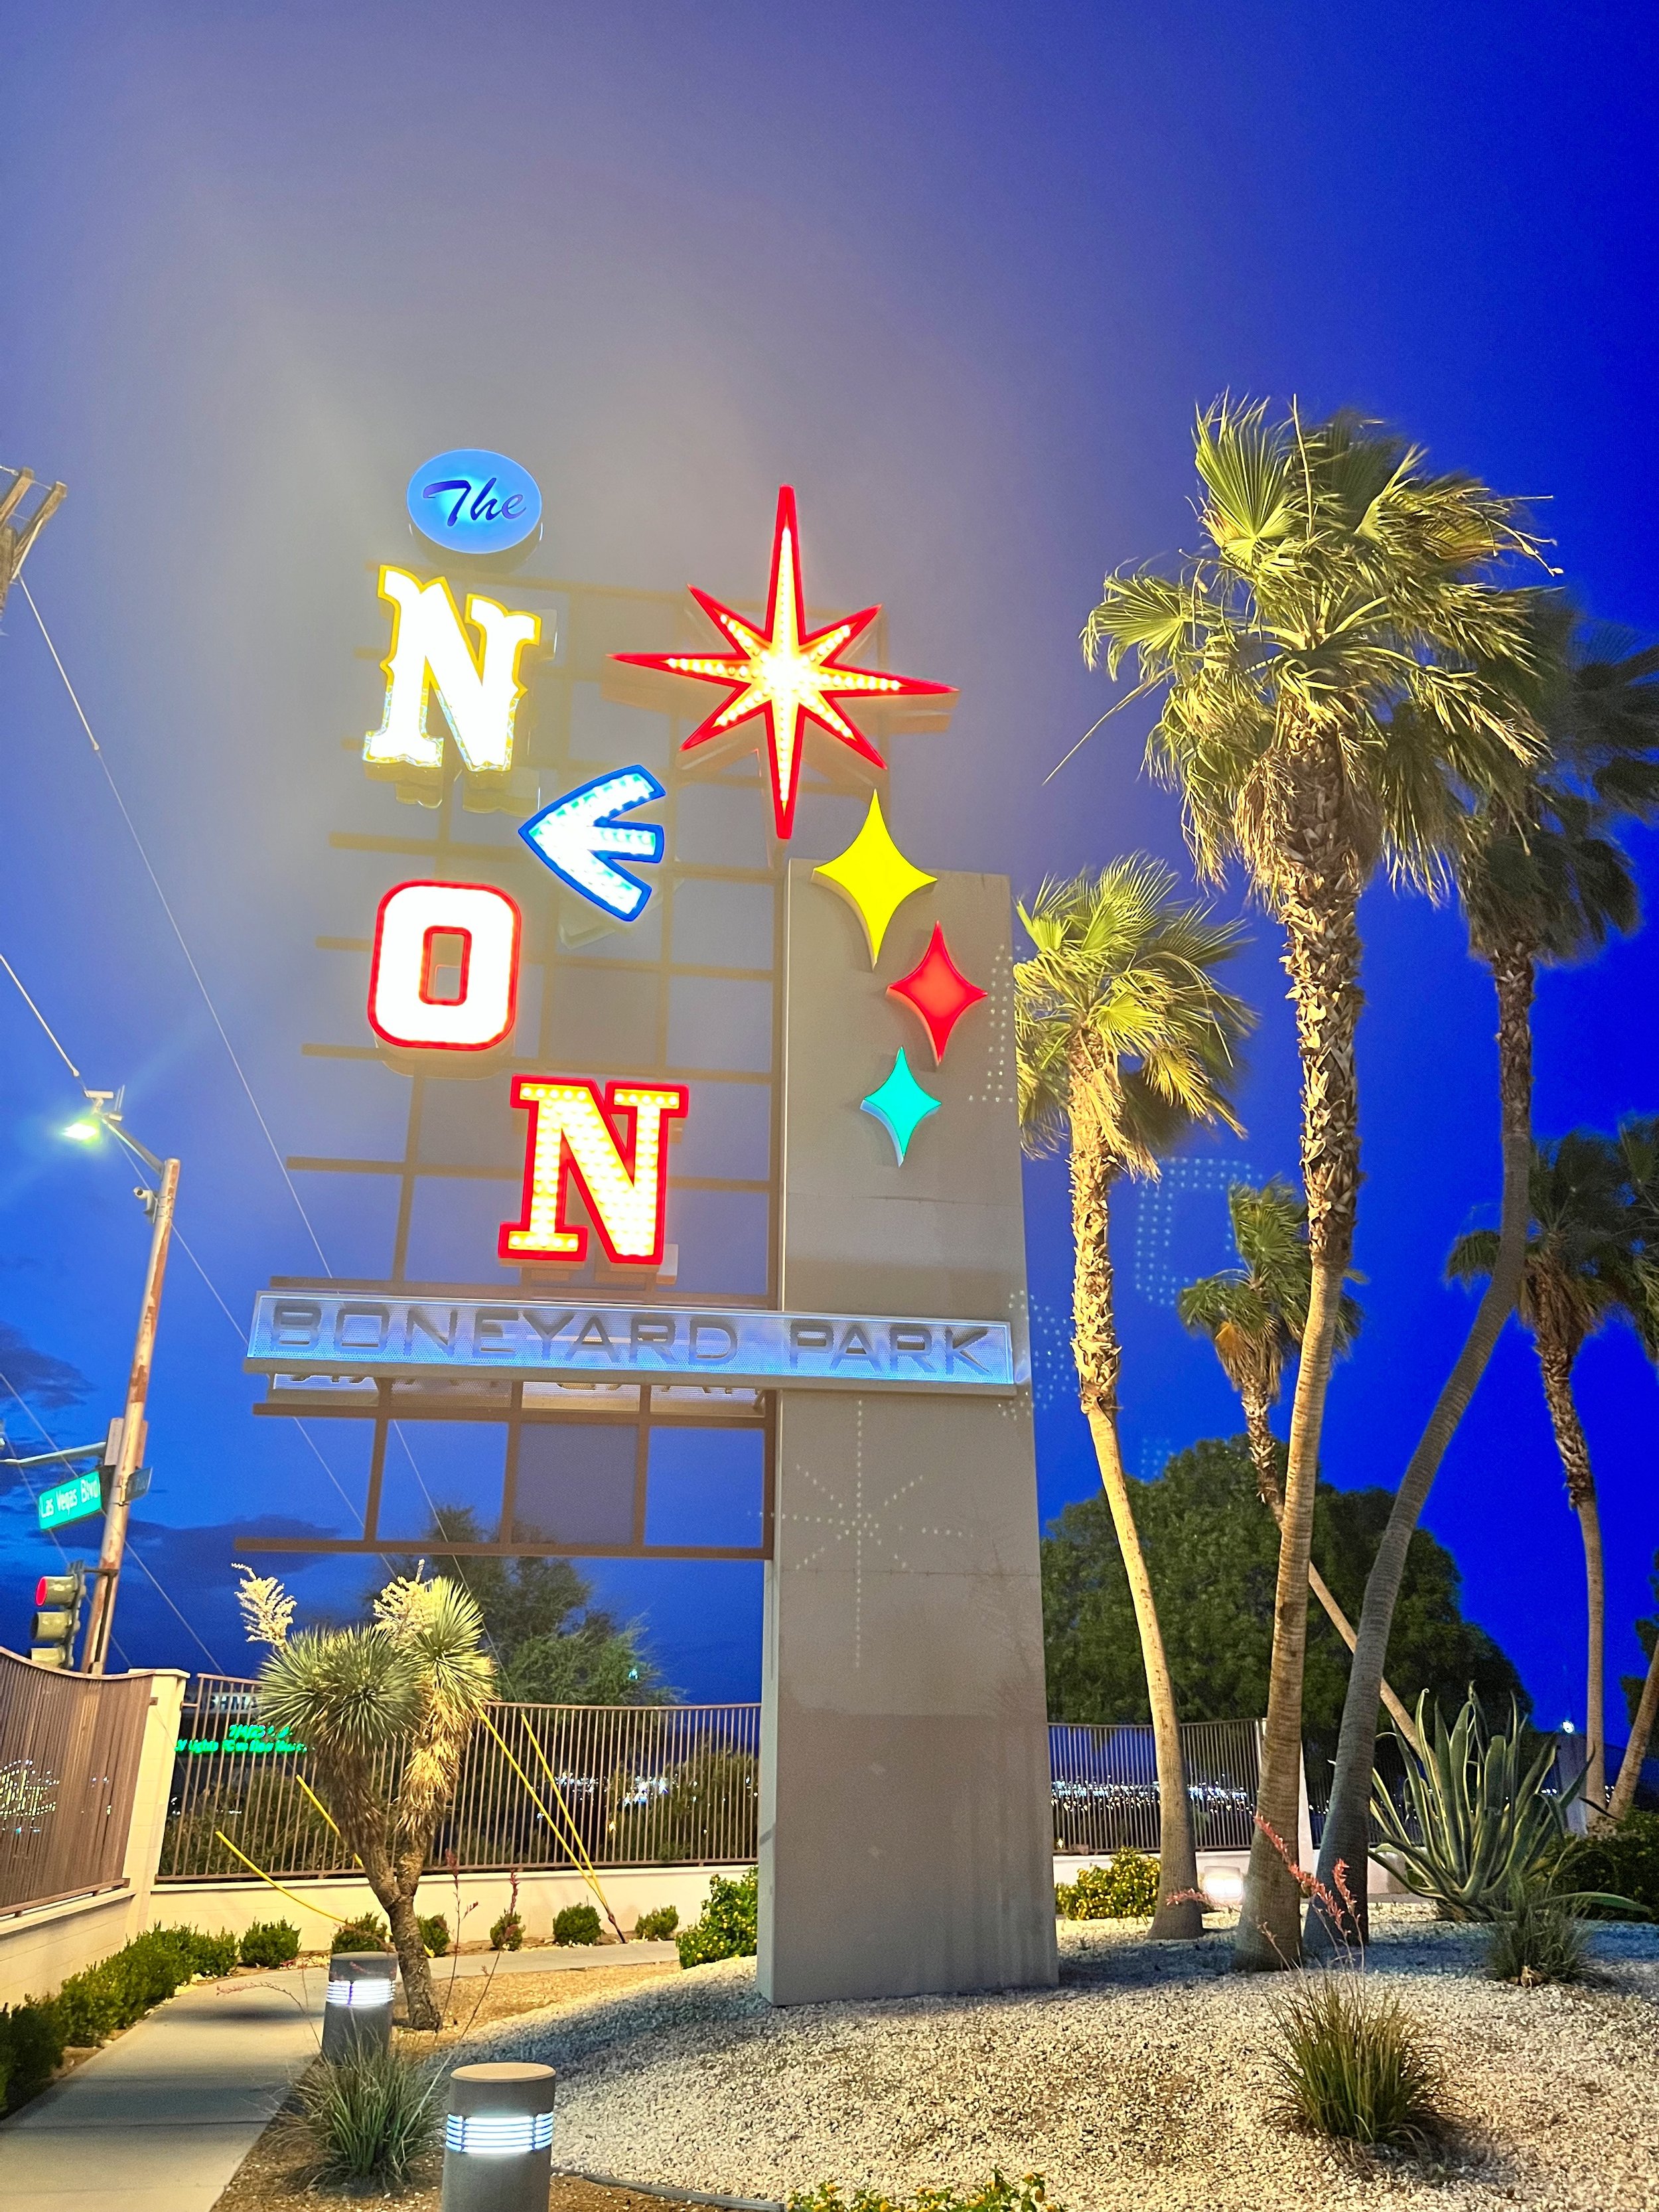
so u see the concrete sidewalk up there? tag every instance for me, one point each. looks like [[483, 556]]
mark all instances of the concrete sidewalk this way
[[160, 2119]]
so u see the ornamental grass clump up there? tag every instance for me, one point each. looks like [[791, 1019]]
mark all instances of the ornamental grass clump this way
[[1125, 1888], [369, 2117], [1354, 2065], [1538, 1937]]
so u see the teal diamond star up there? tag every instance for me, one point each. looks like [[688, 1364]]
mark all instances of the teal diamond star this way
[[901, 1105]]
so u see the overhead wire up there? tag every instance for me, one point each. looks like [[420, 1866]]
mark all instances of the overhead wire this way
[[173, 921], [39, 1017], [207, 1000]]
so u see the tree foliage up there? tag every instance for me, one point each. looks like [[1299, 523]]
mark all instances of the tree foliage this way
[[552, 1644], [1213, 1554]]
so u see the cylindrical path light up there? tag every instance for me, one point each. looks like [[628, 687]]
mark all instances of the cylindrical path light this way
[[358, 2009], [498, 2139]]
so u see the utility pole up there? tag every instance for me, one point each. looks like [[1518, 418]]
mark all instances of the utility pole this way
[[107, 1573], [18, 531]]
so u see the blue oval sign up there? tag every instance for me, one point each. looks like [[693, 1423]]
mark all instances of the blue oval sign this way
[[474, 501]]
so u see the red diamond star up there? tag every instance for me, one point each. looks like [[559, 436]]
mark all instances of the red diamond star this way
[[938, 991], [784, 675]]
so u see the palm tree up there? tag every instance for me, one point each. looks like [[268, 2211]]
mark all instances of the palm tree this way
[[1543, 881], [1573, 1280], [385, 1712], [1253, 1316], [1124, 1040], [1340, 583], [1638, 1144]]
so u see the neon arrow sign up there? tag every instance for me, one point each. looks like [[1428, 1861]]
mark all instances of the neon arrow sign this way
[[578, 837]]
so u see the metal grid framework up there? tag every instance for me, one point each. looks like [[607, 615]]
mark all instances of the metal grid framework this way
[[643, 1785], [1105, 1786], [70, 1747], [592, 621]]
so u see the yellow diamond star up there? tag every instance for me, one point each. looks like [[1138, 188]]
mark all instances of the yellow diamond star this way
[[873, 877]]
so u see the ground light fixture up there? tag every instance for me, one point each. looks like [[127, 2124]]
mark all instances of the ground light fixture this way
[[357, 2003], [498, 2139]]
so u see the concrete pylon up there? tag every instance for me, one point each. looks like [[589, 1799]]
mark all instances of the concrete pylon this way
[[906, 1835]]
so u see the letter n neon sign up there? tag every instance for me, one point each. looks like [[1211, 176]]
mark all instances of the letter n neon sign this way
[[613, 1147]]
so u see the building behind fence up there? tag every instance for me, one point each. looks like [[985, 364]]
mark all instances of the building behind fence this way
[[651, 1785]]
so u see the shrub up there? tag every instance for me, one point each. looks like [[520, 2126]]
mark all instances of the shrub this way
[[507, 1933], [1480, 1823], [1624, 1860], [727, 1927], [1537, 1937], [434, 1934], [1126, 1888], [369, 2117], [657, 1927], [31, 2051], [1356, 2065], [997, 2194], [112, 1995], [270, 1943], [577, 1923], [368, 1934]]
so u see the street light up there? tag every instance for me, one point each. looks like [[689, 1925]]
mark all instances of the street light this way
[[103, 1112]]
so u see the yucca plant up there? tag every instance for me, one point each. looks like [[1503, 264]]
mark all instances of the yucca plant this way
[[370, 2117], [1483, 1823]]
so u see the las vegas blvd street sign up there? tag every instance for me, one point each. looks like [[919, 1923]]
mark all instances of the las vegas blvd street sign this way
[[306, 1329]]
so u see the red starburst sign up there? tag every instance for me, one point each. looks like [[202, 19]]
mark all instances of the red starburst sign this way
[[784, 675]]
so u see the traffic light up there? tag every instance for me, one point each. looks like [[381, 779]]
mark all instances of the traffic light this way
[[56, 1616]]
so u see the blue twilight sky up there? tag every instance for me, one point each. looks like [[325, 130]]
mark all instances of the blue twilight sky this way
[[959, 274]]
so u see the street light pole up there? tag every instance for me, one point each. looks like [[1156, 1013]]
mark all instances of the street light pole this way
[[107, 1573]]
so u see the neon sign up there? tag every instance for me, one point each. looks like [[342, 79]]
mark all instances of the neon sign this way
[[873, 877], [613, 1148], [784, 674], [425, 934], [479, 692], [901, 1105], [473, 502], [578, 837], [939, 992]]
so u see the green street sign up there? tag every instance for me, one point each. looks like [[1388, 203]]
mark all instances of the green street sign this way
[[70, 1501], [83, 1494]]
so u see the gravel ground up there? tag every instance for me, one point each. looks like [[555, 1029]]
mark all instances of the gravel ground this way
[[1141, 2081]]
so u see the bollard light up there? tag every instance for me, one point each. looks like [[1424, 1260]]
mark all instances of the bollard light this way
[[357, 2003], [498, 2139]]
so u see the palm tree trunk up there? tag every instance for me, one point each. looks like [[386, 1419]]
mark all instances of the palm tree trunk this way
[[1265, 1458], [1555, 1365], [1099, 1358], [1346, 1840], [1323, 959], [1641, 1735]]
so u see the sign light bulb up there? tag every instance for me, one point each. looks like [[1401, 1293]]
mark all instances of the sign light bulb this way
[[613, 1148], [479, 692], [415, 923]]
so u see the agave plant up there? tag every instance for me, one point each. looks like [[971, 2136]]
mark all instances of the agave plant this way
[[1483, 1827]]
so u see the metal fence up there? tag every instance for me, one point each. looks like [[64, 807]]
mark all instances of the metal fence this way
[[639, 1785], [70, 1747], [1105, 1786]]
